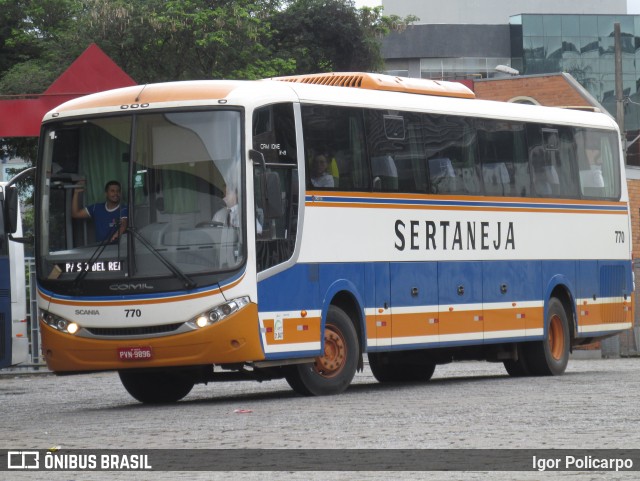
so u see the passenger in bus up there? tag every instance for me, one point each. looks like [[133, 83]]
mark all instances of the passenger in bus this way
[[109, 218], [594, 157], [320, 176], [545, 176], [229, 216]]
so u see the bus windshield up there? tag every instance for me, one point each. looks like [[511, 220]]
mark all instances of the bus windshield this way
[[153, 195]]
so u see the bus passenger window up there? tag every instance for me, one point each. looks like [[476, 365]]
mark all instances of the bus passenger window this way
[[450, 149], [503, 156], [552, 155], [396, 150], [335, 135], [598, 164]]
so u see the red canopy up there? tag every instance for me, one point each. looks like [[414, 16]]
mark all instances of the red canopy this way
[[93, 71]]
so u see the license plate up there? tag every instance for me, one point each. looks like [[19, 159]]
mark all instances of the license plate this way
[[140, 353]]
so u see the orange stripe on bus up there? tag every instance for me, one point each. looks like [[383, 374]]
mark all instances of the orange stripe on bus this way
[[320, 195], [295, 330], [461, 208]]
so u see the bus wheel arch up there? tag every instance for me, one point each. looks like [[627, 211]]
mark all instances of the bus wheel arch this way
[[550, 356], [346, 301], [333, 371]]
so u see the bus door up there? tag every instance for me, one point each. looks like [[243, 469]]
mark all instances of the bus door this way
[[414, 299], [460, 302]]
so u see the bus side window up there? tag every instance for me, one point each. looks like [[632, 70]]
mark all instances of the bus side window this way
[[552, 154], [450, 150], [338, 134], [502, 153], [597, 164]]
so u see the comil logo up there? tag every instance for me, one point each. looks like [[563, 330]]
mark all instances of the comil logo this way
[[23, 460]]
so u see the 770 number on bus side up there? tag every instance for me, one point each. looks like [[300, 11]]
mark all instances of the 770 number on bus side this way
[[619, 237]]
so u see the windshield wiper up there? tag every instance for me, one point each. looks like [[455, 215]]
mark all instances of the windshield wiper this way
[[188, 282], [94, 257]]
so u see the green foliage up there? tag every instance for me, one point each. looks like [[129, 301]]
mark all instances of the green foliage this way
[[162, 40]]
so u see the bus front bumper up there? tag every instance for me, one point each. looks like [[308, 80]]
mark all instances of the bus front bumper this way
[[235, 339]]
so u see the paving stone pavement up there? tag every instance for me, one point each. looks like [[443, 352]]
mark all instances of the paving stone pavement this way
[[466, 405]]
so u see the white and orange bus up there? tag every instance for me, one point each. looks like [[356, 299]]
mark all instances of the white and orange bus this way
[[286, 227]]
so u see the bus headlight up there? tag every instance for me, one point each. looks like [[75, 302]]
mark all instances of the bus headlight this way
[[218, 313], [58, 323]]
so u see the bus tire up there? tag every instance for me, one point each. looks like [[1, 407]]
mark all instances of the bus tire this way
[[550, 356], [408, 366], [332, 372], [156, 386], [517, 367]]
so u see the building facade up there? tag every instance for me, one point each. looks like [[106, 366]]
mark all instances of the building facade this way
[[579, 42], [558, 52]]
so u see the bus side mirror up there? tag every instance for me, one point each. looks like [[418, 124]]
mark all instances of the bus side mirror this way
[[11, 207], [10, 210], [272, 196]]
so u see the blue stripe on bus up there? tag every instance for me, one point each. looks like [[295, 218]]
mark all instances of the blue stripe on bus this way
[[305, 286], [214, 289], [463, 203]]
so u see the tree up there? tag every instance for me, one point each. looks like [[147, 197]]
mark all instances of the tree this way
[[332, 35], [33, 52], [158, 40]]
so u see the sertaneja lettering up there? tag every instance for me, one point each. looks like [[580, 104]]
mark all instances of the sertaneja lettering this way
[[446, 235]]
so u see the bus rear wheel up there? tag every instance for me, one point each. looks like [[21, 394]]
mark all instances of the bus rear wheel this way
[[409, 366], [332, 372], [157, 386], [550, 356], [518, 367]]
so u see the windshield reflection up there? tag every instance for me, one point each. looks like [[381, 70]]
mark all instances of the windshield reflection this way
[[155, 195]]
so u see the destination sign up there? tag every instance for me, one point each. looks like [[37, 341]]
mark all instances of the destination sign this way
[[97, 266]]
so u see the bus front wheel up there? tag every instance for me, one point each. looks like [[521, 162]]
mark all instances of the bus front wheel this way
[[156, 387], [332, 372], [550, 356]]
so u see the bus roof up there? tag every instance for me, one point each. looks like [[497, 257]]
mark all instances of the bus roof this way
[[375, 91], [372, 81]]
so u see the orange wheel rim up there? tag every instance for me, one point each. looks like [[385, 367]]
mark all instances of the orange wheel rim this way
[[335, 354], [556, 338]]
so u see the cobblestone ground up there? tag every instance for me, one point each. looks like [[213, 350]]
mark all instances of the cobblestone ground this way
[[466, 405]]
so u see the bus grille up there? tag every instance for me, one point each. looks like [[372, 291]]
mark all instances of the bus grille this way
[[134, 331]]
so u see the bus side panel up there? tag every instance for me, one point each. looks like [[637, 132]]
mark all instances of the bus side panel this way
[[604, 302], [512, 301], [293, 304], [460, 300], [414, 302], [290, 312]]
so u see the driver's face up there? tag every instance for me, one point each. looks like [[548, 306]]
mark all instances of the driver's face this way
[[113, 194]]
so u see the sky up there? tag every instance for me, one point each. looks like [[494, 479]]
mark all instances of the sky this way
[[375, 3], [633, 6]]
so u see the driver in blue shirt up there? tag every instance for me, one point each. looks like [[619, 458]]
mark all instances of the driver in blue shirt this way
[[109, 218]]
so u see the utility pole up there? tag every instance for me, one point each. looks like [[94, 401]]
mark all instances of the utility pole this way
[[619, 86]]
